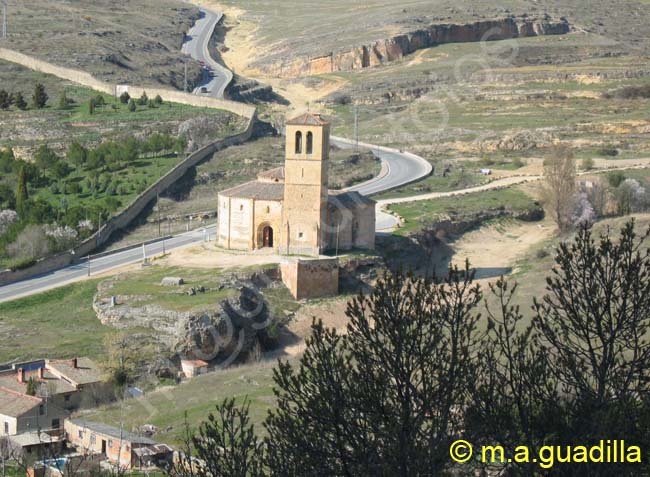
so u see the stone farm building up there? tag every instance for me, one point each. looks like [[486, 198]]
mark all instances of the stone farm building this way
[[291, 209]]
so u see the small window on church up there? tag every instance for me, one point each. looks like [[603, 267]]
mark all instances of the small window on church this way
[[268, 209], [310, 143], [241, 207], [300, 234], [298, 142], [302, 172]]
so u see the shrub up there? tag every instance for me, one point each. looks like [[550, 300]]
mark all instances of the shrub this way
[[132, 106], [518, 162], [587, 164], [158, 99], [124, 98], [99, 100], [19, 101], [615, 178], [610, 151]]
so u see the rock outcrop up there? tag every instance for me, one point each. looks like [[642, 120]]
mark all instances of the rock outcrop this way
[[387, 50], [222, 333]]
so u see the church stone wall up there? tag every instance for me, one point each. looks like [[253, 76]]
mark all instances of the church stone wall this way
[[235, 223], [268, 213], [311, 278], [364, 235], [356, 228]]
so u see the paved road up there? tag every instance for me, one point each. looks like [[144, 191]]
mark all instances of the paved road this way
[[398, 168], [101, 264], [216, 77]]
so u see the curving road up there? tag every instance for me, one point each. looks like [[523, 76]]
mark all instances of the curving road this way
[[398, 168], [216, 77]]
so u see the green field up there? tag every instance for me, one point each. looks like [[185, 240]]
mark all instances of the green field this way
[[125, 147], [59, 126], [166, 407], [420, 214], [56, 324]]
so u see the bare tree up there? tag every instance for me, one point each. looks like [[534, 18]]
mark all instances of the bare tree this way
[[560, 185]]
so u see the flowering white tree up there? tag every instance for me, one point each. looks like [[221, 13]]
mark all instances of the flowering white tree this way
[[63, 237], [7, 218], [583, 212], [631, 197], [85, 225]]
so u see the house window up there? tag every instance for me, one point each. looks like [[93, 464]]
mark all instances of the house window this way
[[41, 410], [56, 423], [93, 439], [298, 142], [67, 398], [310, 142], [110, 443], [81, 434], [6, 427]]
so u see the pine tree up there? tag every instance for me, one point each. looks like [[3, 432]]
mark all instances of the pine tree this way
[[63, 101], [91, 106], [40, 96], [32, 387], [132, 106], [19, 101], [5, 99], [124, 98], [21, 190]]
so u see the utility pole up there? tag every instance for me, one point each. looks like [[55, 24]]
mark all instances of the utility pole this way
[[338, 228], [4, 18], [356, 126], [185, 81]]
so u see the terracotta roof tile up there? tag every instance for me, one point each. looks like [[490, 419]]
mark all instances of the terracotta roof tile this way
[[274, 175], [308, 119], [15, 404], [256, 190], [348, 200]]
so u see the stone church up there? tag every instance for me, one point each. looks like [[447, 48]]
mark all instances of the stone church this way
[[291, 209]]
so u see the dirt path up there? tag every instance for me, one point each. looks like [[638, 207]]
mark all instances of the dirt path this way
[[494, 249], [211, 256]]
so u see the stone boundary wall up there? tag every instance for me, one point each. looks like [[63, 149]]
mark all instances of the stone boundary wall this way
[[127, 215], [88, 80]]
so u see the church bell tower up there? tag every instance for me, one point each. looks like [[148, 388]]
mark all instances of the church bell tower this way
[[304, 207]]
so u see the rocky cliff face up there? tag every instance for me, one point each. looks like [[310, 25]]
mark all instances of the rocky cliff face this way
[[387, 50]]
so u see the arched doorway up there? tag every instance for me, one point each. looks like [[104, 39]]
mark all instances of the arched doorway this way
[[267, 237]]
